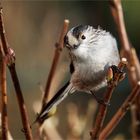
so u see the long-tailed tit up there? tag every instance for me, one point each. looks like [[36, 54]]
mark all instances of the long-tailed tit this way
[[92, 52]]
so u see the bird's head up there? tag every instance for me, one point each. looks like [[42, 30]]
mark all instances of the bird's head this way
[[79, 35]]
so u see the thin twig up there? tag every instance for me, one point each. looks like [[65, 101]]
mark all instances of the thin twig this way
[[117, 12], [2, 33], [103, 109], [133, 118], [3, 83], [89, 117], [58, 49], [120, 113], [134, 65], [135, 113], [11, 66]]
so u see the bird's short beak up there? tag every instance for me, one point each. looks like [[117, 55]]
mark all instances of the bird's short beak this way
[[66, 43]]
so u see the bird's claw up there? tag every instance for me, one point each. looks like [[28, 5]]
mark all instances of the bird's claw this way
[[112, 71]]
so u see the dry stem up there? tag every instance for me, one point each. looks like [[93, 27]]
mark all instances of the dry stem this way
[[4, 118], [120, 113], [117, 13], [134, 65], [103, 109], [133, 125], [135, 113], [58, 49], [23, 110]]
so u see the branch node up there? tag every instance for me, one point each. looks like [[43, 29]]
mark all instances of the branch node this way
[[107, 96], [57, 45], [121, 112]]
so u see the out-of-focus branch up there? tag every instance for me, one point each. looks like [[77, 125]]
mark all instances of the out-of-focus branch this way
[[103, 109], [120, 113], [48, 127], [134, 65], [134, 124], [58, 49], [11, 66], [117, 12], [3, 89], [135, 112], [90, 116], [2, 33]]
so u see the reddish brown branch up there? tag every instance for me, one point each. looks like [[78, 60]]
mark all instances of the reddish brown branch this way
[[2, 33], [23, 110], [103, 109], [120, 113], [3, 87], [58, 49], [133, 125], [134, 65], [117, 12]]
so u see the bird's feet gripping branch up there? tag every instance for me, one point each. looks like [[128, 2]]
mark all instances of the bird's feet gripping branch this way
[[111, 75]]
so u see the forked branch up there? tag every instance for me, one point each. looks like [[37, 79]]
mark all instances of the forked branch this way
[[134, 64], [102, 108], [120, 113], [11, 65]]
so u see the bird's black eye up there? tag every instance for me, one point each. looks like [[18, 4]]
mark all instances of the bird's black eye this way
[[83, 37]]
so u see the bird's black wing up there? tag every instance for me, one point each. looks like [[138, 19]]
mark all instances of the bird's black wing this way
[[71, 67], [58, 97]]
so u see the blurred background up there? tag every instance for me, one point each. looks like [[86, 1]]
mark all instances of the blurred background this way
[[32, 28]]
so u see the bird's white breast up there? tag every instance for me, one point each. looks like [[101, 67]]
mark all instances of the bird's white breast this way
[[91, 63]]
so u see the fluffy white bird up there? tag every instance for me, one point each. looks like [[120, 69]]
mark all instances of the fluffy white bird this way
[[92, 52]]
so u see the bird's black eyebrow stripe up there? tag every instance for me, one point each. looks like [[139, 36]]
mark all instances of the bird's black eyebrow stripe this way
[[78, 29]]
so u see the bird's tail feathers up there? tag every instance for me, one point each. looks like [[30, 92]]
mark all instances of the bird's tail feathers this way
[[58, 97]]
